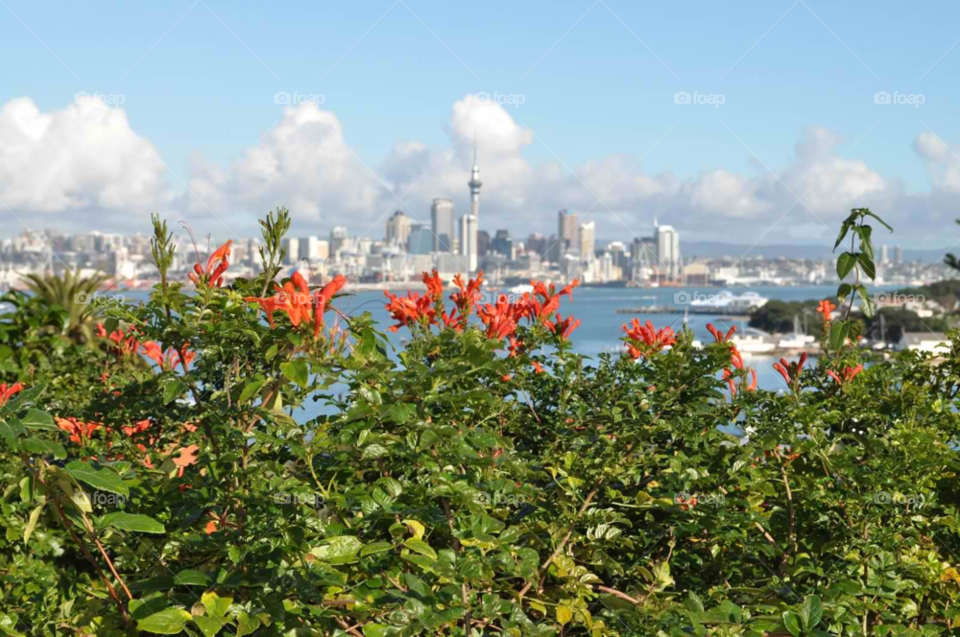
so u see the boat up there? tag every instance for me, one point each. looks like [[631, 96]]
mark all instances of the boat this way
[[753, 341], [523, 288]]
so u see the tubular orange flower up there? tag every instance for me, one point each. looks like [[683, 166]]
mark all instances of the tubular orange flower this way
[[79, 431], [644, 339], [791, 371], [168, 361], [467, 296], [719, 336], [501, 319], [300, 305], [549, 299], [537, 368], [217, 264], [563, 327], [124, 343], [826, 308], [848, 374], [412, 309], [434, 285], [7, 392]]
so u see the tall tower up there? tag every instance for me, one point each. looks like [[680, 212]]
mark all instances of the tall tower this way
[[475, 184]]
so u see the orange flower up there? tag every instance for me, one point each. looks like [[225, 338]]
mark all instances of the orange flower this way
[[848, 374], [719, 336], [549, 299], [791, 371], [124, 343], [501, 319], [79, 431], [411, 309], [645, 339], [537, 368], [467, 296], [505, 378], [168, 361], [300, 305], [434, 285], [217, 264], [563, 327], [7, 392], [826, 308], [728, 375]]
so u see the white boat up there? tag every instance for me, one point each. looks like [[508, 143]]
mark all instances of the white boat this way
[[728, 301], [796, 341], [753, 341], [523, 288]]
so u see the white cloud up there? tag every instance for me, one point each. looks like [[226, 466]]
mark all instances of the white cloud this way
[[90, 169]]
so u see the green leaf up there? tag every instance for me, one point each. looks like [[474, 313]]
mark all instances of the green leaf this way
[[867, 264], [8, 625], [192, 577], [297, 371], [421, 547], [812, 612], [32, 523], [40, 447], [132, 522], [374, 451], [167, 622], [246, 624], [102, 479], [866, 244], [838, 334], [845, 263], [216, 605], [866, 301], [249, 390], [564, 614], [209, 626], [792, 623], [844, 229], [843, 291], [38, 420], [375, 547], [338, 550], [173, 388], [11, 429]]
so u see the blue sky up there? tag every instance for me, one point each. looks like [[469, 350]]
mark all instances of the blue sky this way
[[198, 78]]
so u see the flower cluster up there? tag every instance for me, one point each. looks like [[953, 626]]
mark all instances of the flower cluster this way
[[643, 340], [791, 371], [217, 265], [300, 305], [168, 361], [7, 392], [736, 359], [416, 309], [849, 374], [124, 343]]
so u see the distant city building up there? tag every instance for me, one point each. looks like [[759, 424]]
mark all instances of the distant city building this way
[[538, 244], [502, 243], [292, 247], [586, 240], [898, 255], [314, 249], [420, 240], [566, 235], [441, 215], [884, 254], [483, 243], [339, 240], [475, 185], [668, 252], [398, 228], [468, 242]]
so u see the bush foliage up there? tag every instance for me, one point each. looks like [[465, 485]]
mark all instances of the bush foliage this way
[[483, 480]]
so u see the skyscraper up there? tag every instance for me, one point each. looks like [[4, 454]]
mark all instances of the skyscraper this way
[[338, 240], [898, 255], [587, 238], [398, 228], [420, 240], [441, 215], [503, 244], [475, 184], [566, 234], [468, 241], [668, 252]]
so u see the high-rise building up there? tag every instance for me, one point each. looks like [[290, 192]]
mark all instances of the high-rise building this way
[[338, 240], [292, 247], [503, 244], [468, 242], [898, 255], [420, 240], [398, 228], [483, 243], [314, 249], [475, 184], [668, 252], [587, 239], [441, 216], [884, 254], [566, 234]]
